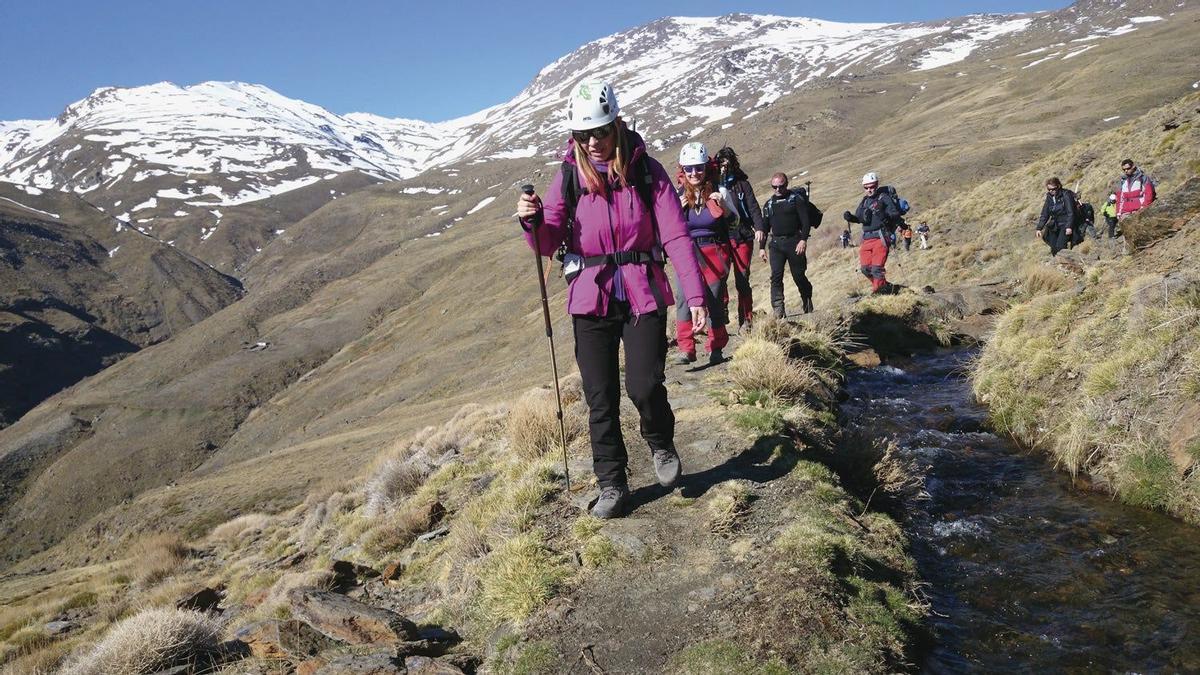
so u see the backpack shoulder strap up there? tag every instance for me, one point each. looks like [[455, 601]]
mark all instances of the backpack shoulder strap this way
[[570, 197], [643, 182]]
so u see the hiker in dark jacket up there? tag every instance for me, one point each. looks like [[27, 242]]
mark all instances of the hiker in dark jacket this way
[[735, 189], [708, 225], [786, 219], [879, 215], [846, 238], [623, 297], [1055, 226]]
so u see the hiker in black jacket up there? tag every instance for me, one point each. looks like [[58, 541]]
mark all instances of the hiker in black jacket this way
[[735, 189], [1058, 216], [786, 217]]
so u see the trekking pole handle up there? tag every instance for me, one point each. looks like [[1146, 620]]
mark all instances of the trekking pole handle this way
[[527, 189]]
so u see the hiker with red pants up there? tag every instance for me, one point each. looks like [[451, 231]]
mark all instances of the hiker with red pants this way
[[879, 214], [738, 195], [1056, 224], [613, 209], [708, 225], [1135, 190]]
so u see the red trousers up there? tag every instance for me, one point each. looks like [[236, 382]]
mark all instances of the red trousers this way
[[872, 256], [714, 265], [742, 253]]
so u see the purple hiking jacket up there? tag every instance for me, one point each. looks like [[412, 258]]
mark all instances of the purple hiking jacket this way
[[626, 215]]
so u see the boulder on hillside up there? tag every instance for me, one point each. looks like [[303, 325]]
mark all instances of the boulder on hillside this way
[[294, 640], [349, 620]]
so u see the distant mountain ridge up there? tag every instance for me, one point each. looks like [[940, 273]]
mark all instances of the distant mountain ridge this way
[[244, 142]]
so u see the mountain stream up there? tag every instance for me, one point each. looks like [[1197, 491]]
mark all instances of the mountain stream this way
[[1027, 573]]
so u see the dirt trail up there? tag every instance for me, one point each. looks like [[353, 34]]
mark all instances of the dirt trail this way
[[679, 583]]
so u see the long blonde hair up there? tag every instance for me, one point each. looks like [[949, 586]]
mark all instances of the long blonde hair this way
[[617, 166]]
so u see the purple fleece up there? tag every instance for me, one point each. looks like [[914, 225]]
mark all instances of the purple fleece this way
[[625, 214]]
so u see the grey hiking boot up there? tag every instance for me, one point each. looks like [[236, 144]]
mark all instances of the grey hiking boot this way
[[611, 503], [667, 466]]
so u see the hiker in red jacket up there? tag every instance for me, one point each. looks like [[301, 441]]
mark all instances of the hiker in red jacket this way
[[1134, 191], [708, 225], [625, 214]]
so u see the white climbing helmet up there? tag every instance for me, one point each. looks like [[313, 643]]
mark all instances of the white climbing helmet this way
[[870, 178], [693, 154], [591, 105], [1112, 197]]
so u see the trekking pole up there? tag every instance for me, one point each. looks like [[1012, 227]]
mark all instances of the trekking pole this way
[[562, 428], [808, 189]]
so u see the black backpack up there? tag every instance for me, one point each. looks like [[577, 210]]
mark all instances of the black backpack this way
[[814, 214]]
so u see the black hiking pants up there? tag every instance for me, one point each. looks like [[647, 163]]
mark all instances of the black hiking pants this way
[[1112, 226], [1056, 238], [597, 344], [782, 250]]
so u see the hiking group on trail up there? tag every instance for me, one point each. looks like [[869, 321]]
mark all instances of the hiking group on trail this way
[[612, 218], [1066, 219]]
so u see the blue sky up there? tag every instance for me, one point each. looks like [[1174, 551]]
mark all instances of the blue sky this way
[[430, 60]]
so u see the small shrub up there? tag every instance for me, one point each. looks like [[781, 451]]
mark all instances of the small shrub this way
[[150, 641]]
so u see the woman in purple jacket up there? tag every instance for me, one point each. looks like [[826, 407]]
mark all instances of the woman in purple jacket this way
[[621, 293]]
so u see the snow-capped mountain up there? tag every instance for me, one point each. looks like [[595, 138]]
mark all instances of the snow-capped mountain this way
[[169, 156]]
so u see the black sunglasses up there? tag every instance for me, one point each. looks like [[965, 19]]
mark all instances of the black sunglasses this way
[[599, 133], [1127, 169], [778, 187]]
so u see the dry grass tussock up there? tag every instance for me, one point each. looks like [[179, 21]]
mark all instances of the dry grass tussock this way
[[759, 365], [392, 483], [1042, 279], [239, 527], [148, 642], [532, 424], [157, 557], [727, 507], [824, 345]]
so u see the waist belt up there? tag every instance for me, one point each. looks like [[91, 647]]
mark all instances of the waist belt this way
[[624, 258], [874, 234], [705, 241], [794, 235]]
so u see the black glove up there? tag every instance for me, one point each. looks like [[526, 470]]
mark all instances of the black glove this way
[[850, 217]]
